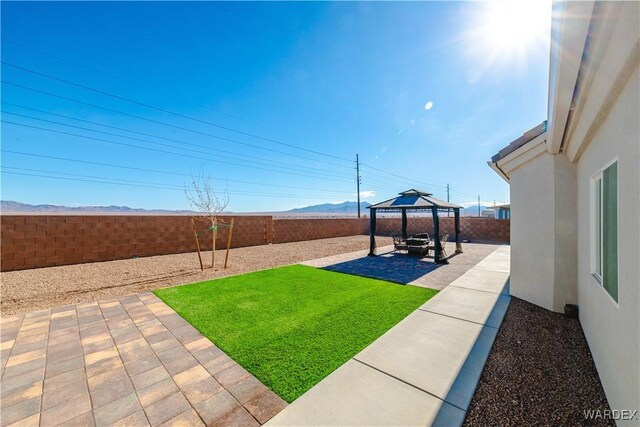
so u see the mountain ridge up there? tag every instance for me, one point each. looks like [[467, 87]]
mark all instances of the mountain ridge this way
[[10, 206], [344, 207]]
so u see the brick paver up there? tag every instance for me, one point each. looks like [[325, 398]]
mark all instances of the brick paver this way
[[126, 361], [407, 269]]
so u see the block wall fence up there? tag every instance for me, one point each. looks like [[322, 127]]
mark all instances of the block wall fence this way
[[33, 241]]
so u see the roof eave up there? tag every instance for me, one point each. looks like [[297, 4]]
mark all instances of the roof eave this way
[[569, 31], [523, 154]]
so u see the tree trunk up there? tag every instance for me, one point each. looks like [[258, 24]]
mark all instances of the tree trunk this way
[[213, 248]]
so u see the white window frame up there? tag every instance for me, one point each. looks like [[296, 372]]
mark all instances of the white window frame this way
[[596, 180], [597, 277]]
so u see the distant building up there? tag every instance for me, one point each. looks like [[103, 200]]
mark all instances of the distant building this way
[[575, 189], [488, 213], [502, 211]]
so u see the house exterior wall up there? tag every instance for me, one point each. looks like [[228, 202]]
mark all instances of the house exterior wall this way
[[612, 330], [551, 234], [565, 278], [532, 232]]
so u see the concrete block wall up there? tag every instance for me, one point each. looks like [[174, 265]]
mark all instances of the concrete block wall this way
[[295, 230], [473, 229], [32, 241]]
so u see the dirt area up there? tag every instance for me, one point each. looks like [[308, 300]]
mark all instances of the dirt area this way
[[539, 372], [29, 290]]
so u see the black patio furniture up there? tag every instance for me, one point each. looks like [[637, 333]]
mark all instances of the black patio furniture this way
[[415, 200], [399, 244]]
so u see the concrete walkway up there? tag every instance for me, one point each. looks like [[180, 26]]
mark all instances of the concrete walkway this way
[[425, 369], [127, 361]]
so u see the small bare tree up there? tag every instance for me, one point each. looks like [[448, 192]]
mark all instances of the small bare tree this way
[[207, 206]]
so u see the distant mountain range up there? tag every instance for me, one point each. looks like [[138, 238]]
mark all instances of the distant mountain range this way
[[473, 209], [344, 207], [8, 206]]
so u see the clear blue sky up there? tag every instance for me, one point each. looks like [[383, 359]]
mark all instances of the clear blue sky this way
[[335, 78]]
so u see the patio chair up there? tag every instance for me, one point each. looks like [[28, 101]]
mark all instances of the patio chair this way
[[399, 244], [443, 243]]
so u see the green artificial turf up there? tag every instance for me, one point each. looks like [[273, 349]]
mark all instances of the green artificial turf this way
[[292, 326]]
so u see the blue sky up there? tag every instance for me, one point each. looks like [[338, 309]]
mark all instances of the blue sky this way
[[250, 93]]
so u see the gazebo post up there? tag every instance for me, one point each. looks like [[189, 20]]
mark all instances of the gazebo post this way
[[436, 235], [404, 223], [372, 232], [456, 219]]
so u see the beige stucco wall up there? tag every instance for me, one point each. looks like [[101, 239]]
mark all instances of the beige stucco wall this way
[[613, 331], [543, 232], [565, 279], [532, 232]]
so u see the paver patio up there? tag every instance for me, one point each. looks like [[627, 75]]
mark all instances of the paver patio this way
[[424, 370], [126, 361], [406, 269]]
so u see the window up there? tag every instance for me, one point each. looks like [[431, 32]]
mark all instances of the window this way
[[604, 230]]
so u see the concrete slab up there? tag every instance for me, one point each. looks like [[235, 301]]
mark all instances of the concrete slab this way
[[484, 280], [428, 351], [486, 308], [358, 395], [495, 262]]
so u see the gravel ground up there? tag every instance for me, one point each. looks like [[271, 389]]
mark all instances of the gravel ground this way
[[41, 288], [539, 372]]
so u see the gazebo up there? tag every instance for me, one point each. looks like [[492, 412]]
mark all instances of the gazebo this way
[[415, 200]]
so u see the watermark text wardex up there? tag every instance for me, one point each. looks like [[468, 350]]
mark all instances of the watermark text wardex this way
[[611, 414]]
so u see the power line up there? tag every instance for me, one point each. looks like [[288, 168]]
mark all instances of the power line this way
[[164, 110], [112, 76], [150, 135], [164, 151], [402, 177], [464, 194], [215, 136], [446, 187], [165, 172], [327, 174], [233, 141], [141, 184]]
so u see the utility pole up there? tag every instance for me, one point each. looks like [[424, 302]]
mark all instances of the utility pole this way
[[478, 205], [448, 211], [358, 182]]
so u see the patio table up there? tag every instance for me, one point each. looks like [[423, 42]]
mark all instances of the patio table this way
[[416, 245]]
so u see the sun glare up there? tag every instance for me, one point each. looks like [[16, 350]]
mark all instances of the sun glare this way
[[515, 25], [512, 27]]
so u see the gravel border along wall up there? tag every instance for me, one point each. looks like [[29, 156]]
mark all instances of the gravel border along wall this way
[[539, 373]]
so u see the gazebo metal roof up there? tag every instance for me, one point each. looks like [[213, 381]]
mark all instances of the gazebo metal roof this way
[[412, 200]]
